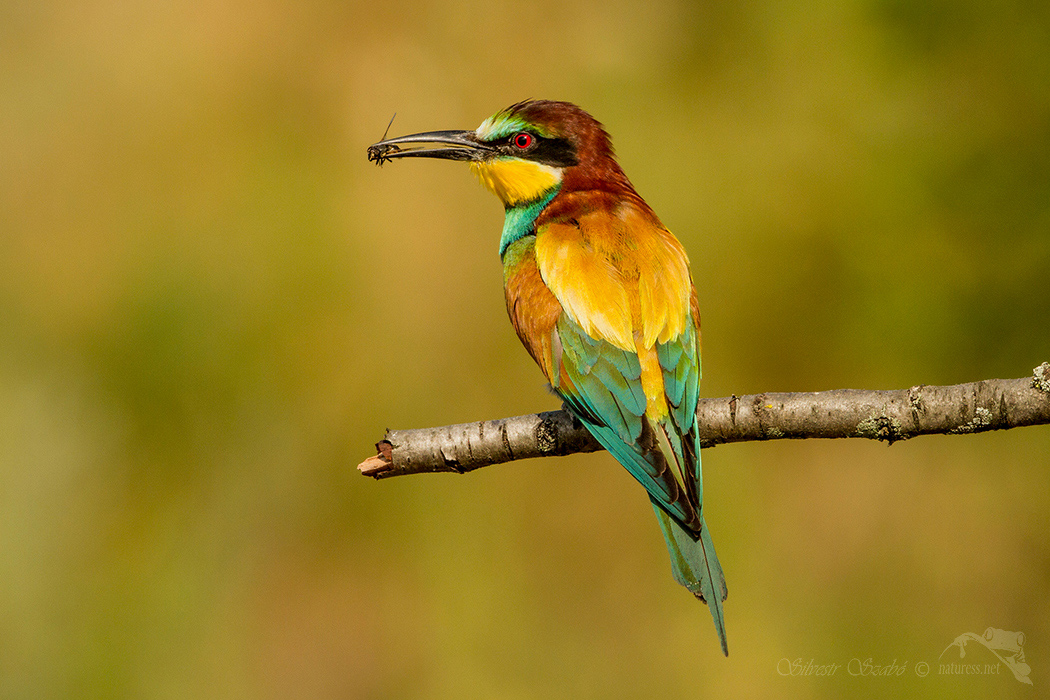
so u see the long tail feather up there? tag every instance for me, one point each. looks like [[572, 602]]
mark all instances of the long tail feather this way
[[696, 567]]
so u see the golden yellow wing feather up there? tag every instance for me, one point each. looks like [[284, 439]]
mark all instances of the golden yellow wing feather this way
[[622, 278]]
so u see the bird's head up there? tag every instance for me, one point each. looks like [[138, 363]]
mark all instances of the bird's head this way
[[522, 153]]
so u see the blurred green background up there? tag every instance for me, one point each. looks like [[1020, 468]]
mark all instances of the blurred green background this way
[[211, 306]]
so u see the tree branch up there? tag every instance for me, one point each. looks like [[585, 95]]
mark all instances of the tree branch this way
[[993, 404]]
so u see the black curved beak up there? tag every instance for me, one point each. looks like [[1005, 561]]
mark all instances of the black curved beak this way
[[464, 145]]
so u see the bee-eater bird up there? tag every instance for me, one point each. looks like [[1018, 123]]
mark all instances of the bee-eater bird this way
[[600, 294]]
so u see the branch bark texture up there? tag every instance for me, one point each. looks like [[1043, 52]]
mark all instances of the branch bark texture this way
[[992, 404]]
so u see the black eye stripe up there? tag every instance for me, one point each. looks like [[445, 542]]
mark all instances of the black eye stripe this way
[[556, 152]]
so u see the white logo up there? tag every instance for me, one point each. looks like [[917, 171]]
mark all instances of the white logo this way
[[1008, 647]]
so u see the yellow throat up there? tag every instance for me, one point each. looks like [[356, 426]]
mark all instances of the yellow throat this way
[[515, 180]]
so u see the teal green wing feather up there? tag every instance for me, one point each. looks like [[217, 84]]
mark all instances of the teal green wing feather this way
[[606, 395], [607, 378], [680, 362]]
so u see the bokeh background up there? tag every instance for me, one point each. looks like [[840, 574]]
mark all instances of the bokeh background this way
[[211, 306]]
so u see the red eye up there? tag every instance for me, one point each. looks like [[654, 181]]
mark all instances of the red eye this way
[[523, 140]]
